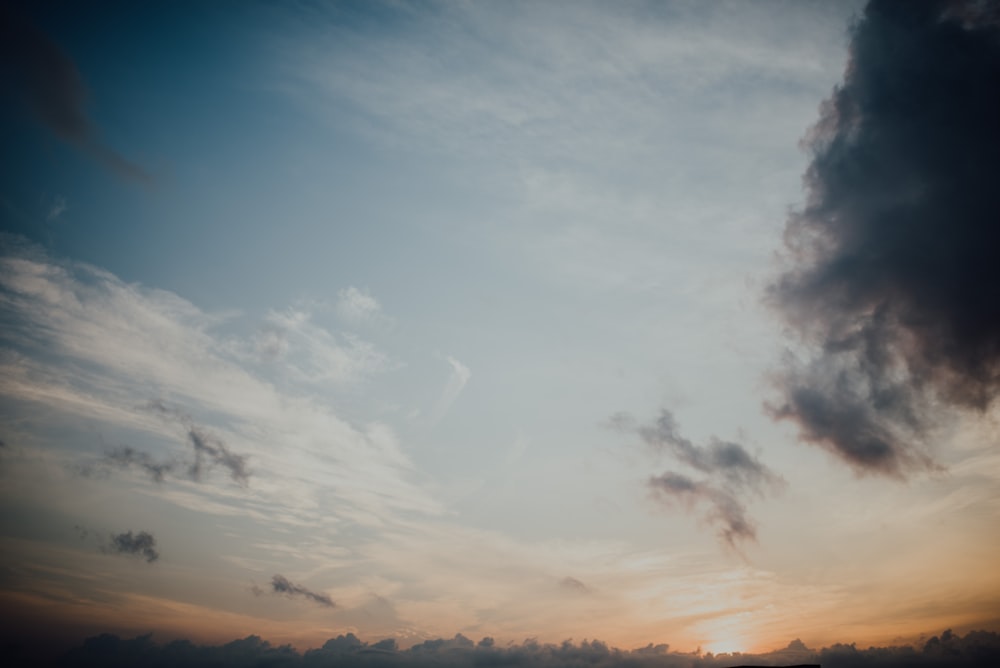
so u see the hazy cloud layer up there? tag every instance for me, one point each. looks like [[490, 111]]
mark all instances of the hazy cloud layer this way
[[894, 263], [978, 648], [50, 86], [281, 585], [141, 544], [732, 473]]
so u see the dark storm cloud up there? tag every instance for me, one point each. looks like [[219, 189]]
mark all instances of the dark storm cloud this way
[[208, 448], [894, 275], [49, 84], [141, 544], [281, 585], [978, 648], [731, 473]]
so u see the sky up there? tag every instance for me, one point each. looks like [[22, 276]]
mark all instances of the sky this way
[[666, 325]]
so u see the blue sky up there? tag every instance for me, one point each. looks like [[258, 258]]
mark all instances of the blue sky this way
[[420, 278]]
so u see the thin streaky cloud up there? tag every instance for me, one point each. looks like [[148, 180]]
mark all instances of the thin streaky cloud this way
[[281, 585], [51, 86]]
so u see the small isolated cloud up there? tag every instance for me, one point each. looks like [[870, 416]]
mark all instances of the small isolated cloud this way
[[724, 459], [281, 585], [572, 584], [50, 86], [732, 473], [209, 449], [141, 544], [127, 457], [56, 208], [457, 379], [723, 508], [358, 306], [893, 267]]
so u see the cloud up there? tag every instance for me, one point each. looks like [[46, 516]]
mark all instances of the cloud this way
[[358, 306], [977, 648], [57, 207], [206, 446], [893, 264], [51, 87], [572, 584], [313, 354], [459, 376], [78, 344], [281, 585], [141, 544], [732, 473], [126, 457], [729, 460], [724, 508]]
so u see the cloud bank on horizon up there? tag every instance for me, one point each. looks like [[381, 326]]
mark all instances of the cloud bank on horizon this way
[[976, 649], [894, 273]]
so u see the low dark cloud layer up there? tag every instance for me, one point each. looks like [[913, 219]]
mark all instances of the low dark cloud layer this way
[[731, 474], [141, 544], [281, 585], [48, 83], [894, 262], [977, 649]]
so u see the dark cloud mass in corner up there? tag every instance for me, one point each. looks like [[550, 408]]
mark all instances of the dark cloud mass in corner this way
[[894, 274], [281, 585], [732, 473], [34, 69], [141, 544]]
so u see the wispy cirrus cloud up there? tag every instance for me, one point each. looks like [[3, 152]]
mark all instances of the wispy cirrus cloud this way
[[52, 88], [80, 342], [457, 379]]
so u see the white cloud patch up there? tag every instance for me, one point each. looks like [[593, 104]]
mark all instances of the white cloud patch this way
[[79, 343], [312, 353], [358, 306]]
